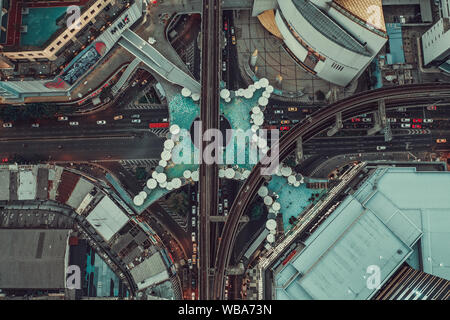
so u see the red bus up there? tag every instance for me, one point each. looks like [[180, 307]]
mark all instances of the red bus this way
[[289, 257], [159, 125]]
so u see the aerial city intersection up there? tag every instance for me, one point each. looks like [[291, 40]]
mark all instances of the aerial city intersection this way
[[224, 150]]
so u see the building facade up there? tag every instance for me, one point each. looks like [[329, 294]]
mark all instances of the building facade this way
[[335, 40]]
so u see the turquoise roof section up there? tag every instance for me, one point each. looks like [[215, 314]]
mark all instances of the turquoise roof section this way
[[397, 55], [380, 224]]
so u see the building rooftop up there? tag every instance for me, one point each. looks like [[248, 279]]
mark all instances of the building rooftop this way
[[107, 218], [396, 211], [33, 259], [364, 10]]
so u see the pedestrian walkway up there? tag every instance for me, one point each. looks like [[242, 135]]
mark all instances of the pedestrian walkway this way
[[156, 61]]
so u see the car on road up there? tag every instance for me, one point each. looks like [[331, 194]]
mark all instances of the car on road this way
[[190, 263], [292, 109], [381, 147], [416, 126], [401, 109], [427, 120], [356, 119], [62, 118], [136, 121], [7, 125], [285, 121], [279, 111], [73, 123], [118, 117], [406, 125], [233, 40], [232, 31], [135, 116], [431, 108], [418, 120], [194, 261], [405, 119], [193, 236], [441, 140], [392, 120], [225, 25], [225, 203], [194, 210], [101, 122], [35, 125], [224, 66], [193, 222], [367, 120], [220, 208], [193, 296], [285, 128], [225, 212]]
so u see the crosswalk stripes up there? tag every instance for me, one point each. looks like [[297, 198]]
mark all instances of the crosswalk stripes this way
[[146, 106], [129, 164], [160, 132], [178, 219]]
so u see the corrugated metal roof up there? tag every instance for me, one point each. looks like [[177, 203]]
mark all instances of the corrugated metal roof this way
[[327, 27]]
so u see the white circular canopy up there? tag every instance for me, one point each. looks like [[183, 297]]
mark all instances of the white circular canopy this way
[[162, 163], [237, 175], [256, 110], [224, 93], [221, 173], [195, 96], [151, 183], [286, 171], [269, 89], [187, 174], [246, 174], [161, 178], [143, 194], [291, 179], [276, 206], [229, 173], [169, 144], [263, 191], [169, 186], [194, 175], [268, 200], [297, 184], [263, 82], [258, 121], [163, 185], [227, 100], [248, 94], [270, 238], [154, 174], [174, 129], [186, 92], [252, 87], [138, 200], [266, 94], [240, 92], [257, 85], [255, 128], [166, 155], [263, 101], [271, 224], [176, 183], [262, 143]]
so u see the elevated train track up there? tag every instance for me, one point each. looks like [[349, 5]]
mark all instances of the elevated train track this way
[[364, 102]]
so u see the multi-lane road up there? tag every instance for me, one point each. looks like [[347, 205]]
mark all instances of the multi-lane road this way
[[307, 129]]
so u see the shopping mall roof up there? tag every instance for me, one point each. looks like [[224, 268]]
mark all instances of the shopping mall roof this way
[[33, 259], [107, 218], [327, 27], [378, 225]]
